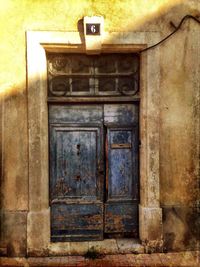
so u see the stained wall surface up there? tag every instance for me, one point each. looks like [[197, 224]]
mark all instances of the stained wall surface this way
[[179, 105]]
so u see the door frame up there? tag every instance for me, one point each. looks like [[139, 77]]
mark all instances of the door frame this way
[[150, 212]]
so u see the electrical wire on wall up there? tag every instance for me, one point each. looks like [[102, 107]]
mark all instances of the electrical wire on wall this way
[[176, 29], [163, 40]]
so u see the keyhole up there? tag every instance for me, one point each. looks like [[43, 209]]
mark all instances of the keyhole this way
[[78, 177], [78, 146], [78, 149]]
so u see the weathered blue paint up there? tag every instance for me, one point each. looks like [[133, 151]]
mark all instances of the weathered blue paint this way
[[120, 114], [75, 163], [81, 208], [120, 164], [122, 175], [76, 114], [76, 222], [121, 218]]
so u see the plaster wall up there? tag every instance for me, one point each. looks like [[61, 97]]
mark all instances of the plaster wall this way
[[179, 105]]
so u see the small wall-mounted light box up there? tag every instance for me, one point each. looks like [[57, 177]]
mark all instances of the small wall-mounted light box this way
[[93, 32]]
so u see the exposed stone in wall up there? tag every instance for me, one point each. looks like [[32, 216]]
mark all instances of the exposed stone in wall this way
[[13, 233], [14, 186], [181, 228]]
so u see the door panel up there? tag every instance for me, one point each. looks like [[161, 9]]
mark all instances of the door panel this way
[[121, 205], [121, 114], [75, 162], [76, 183], [121, 218], [120, 164], [76, 114], [76, 222]]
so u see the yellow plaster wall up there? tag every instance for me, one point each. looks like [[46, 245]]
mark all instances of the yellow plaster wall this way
[[16, 17], [179, 89]]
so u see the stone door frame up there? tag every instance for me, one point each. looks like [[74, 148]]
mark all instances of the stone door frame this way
[[150, 213]]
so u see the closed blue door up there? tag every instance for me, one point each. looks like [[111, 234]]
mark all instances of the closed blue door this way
[[93, 171]]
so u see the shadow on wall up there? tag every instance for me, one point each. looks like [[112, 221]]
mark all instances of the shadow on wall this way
[[181, 221]]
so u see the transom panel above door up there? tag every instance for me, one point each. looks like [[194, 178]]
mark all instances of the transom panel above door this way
[[93, 171], [104, 75]]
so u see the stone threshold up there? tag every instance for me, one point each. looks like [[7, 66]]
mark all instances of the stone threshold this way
[[184, 259], [105, 247]]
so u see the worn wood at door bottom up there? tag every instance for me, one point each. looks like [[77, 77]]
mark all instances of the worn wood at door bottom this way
[[76, 222], [121, 218]]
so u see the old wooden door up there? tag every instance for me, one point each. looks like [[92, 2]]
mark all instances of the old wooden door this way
[[93, 170]]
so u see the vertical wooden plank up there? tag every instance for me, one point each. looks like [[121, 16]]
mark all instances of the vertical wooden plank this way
[[121, 207]]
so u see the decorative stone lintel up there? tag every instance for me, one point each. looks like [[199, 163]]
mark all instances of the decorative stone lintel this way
[[151, 233]]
